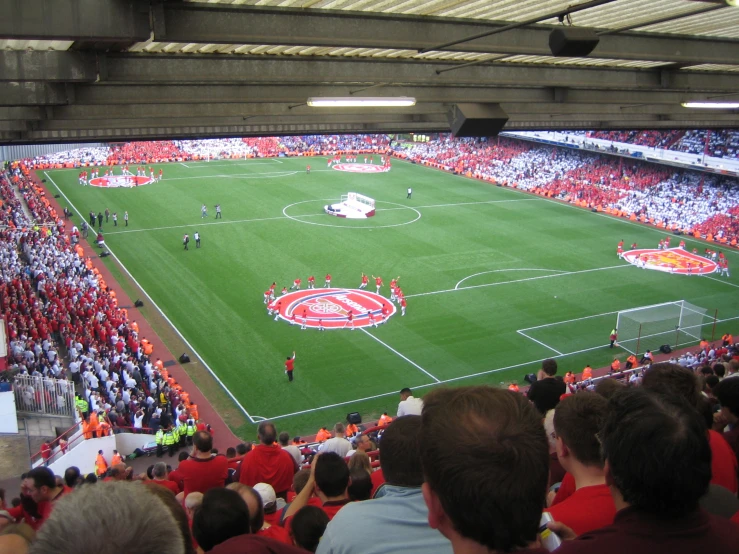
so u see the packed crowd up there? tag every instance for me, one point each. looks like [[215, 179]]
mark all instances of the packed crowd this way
[[54, 300], [644, 465], [676, 199], [720, 143]]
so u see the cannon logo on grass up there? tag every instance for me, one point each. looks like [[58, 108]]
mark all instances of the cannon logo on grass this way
[[672, 260], [118, 181], [361, 168], [330, 307]]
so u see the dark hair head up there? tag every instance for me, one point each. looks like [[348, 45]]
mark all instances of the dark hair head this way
[[360, 487], [711, 381], [549, 366], [405, 390], [90, 479], [658, 452], [673, 380], [577, 420], [284, 438], [242, 449], [222, 516], [727, 393], [720, 370], [203, 441], [308, 526], [485, 455], [332, 474], [72, 476], [608, 387], [42, 477], [300, 479], [401, 452], [182, 456], [267, 432], [230, 452]]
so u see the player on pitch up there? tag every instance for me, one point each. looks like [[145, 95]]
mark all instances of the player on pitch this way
[[365, 280], [290, 366], [378, 283], [349, 320]]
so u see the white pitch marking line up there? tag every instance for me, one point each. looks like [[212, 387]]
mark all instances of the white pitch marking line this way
[[453, 379], [225, 388], [184, 164], [720, 281], [414, 364], [519, 280], [569, 320], [539, 342], [504, 270]]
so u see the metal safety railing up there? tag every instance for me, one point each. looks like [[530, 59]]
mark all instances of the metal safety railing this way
[[44, 396]]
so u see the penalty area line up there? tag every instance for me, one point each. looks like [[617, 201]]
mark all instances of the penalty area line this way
[[539, 342], [453, 379]]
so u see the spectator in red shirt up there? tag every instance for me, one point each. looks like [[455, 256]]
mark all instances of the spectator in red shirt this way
[[160, 477], [658, 465], [268, 463], [329, 479], [201, 471], [727, 392], [40, 487], [577, 420]]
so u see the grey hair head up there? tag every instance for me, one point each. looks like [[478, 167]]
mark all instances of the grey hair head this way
[[110, 517]]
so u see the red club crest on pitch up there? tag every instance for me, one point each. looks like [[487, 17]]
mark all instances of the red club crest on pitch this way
[[331, 307], [117, 181], [672, 260], [361, 168]]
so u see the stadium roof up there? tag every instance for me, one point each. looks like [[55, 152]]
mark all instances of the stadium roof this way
[[77, 70]]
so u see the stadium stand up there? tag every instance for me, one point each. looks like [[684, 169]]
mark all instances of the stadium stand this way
[[720, 143], [56, 301]]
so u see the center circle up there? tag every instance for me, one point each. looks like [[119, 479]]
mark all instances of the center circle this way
[[296, 218]]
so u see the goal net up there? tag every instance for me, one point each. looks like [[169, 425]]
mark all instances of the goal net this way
[[676, 323]]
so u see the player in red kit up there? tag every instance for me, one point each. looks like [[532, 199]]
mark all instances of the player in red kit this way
[[307, 169], [393, 287], [311, 282], [272, 290], [283, 291], [296, 284], [372, 320], [161, 174], [267, 294], [327, 284], [304, 320], [290, 366], [378, 283], [620, 249], [402, 306], [276, 309], [365, 280], [272, 308], [349, 320]]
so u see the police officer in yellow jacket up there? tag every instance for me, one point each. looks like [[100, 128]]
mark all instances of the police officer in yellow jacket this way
[[170, 440], [159, 438]]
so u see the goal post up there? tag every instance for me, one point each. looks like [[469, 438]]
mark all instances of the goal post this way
[[678, 323]]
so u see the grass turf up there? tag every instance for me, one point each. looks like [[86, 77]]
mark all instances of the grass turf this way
[[477, 263]]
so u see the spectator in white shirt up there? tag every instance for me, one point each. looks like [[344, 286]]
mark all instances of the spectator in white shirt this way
[[338, 443], [408, 404]]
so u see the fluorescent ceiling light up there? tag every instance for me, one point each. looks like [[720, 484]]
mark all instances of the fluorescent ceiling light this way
[[352, 101], [712, 105]]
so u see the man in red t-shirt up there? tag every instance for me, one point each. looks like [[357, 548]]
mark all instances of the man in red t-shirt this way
[[290, 366], [201, 471], [160, 477], [40, 486], [577, 420], [329, 478], [378, 283], [268, 463], [259, 500]]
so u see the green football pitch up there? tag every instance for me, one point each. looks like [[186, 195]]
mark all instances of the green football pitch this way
[[496, 280]]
